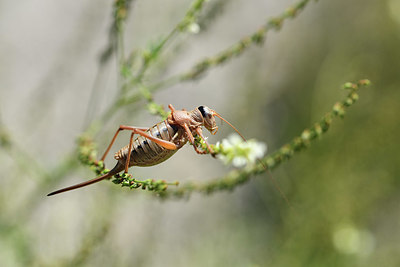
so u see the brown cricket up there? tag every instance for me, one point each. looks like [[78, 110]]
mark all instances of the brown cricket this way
[[159, 142]]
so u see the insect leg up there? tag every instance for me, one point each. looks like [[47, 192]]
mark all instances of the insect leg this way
[[191, 139], [161, 142], [199, 132], [158, 141], [121, 127], [128, 158], [171, 108]]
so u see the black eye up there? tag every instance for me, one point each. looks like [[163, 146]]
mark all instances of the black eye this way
[[203, 112]]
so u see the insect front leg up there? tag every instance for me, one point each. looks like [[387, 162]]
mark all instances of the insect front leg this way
[[200, 133], [191, 140]]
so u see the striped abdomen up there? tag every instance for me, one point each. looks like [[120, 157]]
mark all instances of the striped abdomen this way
[[147, 153]]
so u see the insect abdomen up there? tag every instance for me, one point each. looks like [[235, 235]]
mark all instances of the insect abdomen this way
[[147, 153]]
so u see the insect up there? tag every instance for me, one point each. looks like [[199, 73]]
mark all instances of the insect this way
[[159, 142]]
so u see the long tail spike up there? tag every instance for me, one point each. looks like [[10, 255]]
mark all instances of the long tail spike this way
[[114, 171]]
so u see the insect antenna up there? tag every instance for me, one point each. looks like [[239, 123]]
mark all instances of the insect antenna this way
[[233, 127], [273, 180]]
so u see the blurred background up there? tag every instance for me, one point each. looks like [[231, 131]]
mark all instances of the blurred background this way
[[344, 188]]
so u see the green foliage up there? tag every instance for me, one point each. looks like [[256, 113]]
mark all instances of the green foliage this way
[[126, 180]]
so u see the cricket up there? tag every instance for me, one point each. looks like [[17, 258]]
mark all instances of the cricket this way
[[158, 143]]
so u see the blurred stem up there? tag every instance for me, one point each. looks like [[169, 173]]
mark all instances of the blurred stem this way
[[92, 239], [149, 57], [199, 69], [25, 162], [190, 17], [115, 44], [156, 51], [256, 38]]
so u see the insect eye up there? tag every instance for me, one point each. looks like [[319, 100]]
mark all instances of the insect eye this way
[[203, 112]]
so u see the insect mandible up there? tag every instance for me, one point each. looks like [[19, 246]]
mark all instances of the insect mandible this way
[[159, 142]]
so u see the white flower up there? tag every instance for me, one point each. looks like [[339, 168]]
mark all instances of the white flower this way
[[193, 28], [239, 152]]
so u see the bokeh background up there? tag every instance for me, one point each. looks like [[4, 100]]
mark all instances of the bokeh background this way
[[344, 188]]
